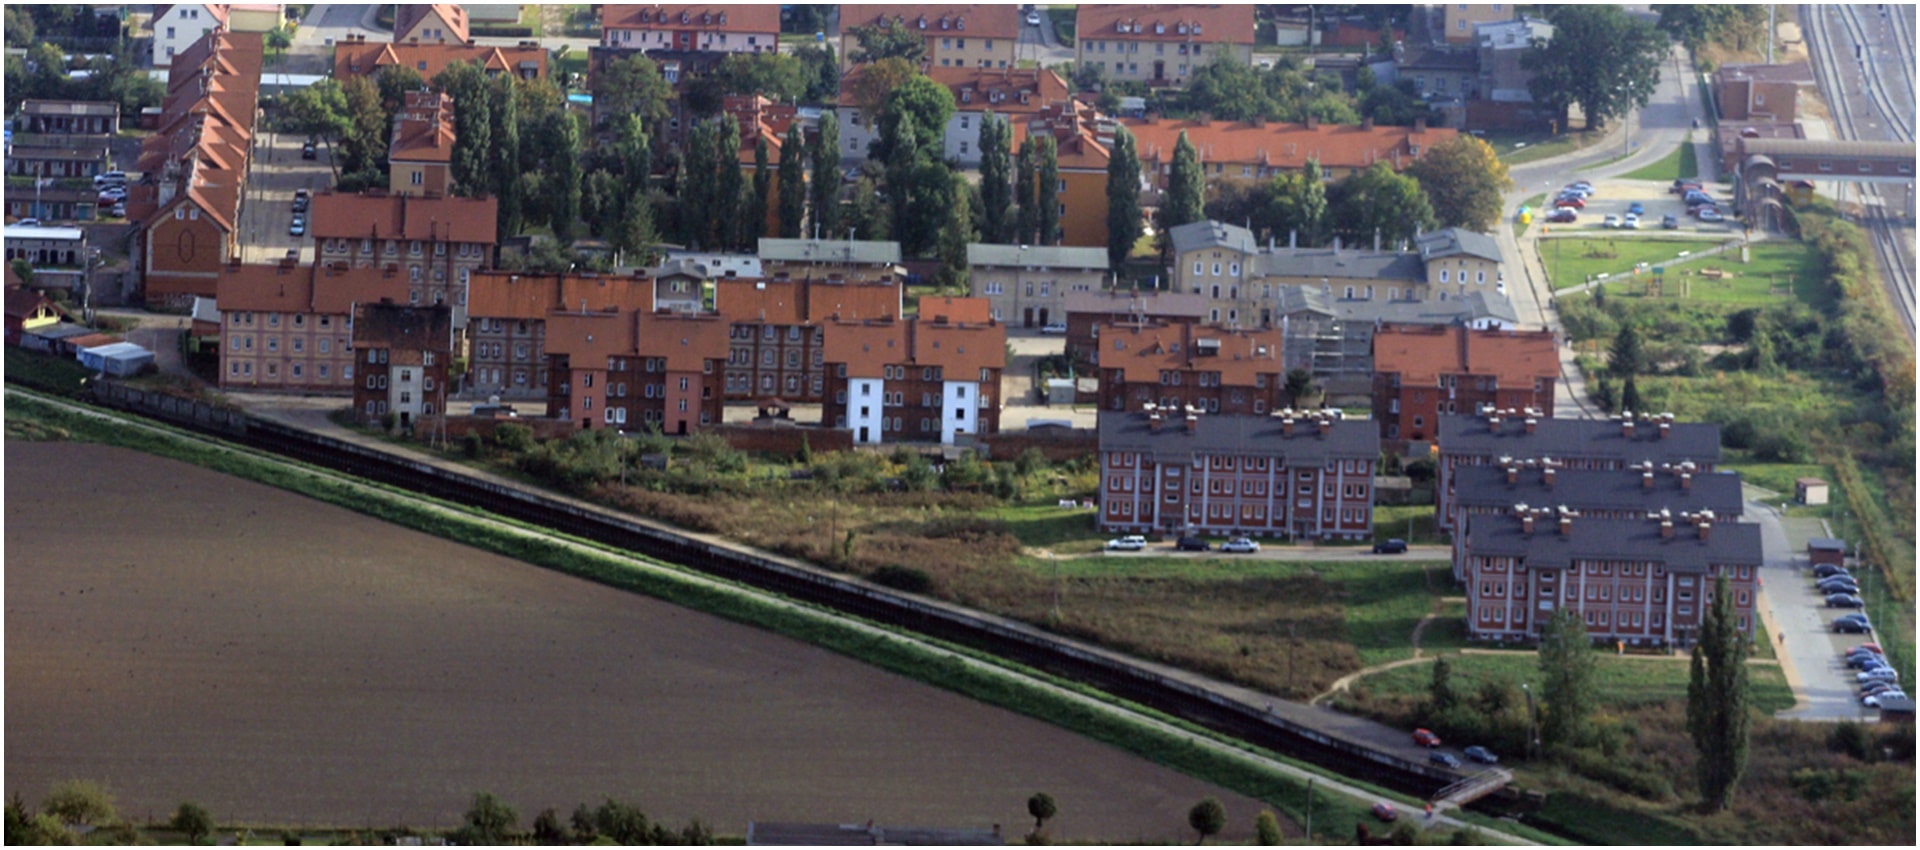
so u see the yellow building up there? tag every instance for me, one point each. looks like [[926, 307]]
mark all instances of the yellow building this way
[[975, 35]]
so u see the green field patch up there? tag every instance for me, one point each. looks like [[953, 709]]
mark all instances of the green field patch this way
[[1572, 261], [1679, 164], [1619, 681]]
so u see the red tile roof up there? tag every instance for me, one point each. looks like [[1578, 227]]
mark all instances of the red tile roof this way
[[865, 347], [423, 129], [406, 16], [795, 302], [707, 17], [1286, 146], [1196, 23], [505, 295], [361, 58], [331, 290], [1143, 351], [984, 20], [378, 215], [684, 339], [961, 350], [977, 311], [337, 287], [590, 338], [1422, 353]]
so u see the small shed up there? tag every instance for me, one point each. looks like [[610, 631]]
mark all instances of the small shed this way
[[119, 358], [1826, 550], [1896, 710], [1810, 491]]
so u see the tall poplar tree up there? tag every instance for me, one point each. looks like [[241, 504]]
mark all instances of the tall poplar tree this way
[[506, 155], [955, 232], [755, 225], [996, 179], [1186, 187], [1048, 197], [1566, 665], [1026, 221], [1718, 700], [793, 182], [730, 185], [565, 160], [1123, 199], [695, 192], [824, 196]]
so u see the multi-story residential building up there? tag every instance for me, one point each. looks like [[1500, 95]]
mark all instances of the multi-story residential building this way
[[1441, 74], [680, 285], [1262, 150], [1299, 474], [1245, 282], [1485, 437], [1013, 94], [634, 370], [176, 26], [1502, 98], [68, 117], [1639, 581], [1423, 371], [704, 27], [932, 377], [1087, 312], [1335, 335], [40, 155], [819, 259], [777, 330], [507, 324], [289, 327], [430, 23], [187, 213], [57, 255], [1760, 94], [973, 35], [1030, 284], [436, 242], [1161, 45], [1175, 366], [1632, 493], [403, 353], [1084, 139], [420, 158], [1462, 19], [358, 57]]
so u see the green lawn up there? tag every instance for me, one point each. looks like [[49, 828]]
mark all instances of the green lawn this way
[[1679, 164], [1412, 523], [1621, 682], [1519, 148], [1777, 477], [1571, 261], [1775, 270]]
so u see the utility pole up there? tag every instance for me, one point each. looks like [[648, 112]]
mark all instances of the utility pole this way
[[1310, 809], [1772, 30]]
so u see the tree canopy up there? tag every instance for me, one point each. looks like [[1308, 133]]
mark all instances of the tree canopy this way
[[1566, 667], [1465, 181], [1600, 58], [894, 40], [1718, 700], [1124, 226], [927, 104], [632, 85], [1379, 202]]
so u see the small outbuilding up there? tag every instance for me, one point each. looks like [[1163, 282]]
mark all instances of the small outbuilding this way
[[119, 358], [1826, 550], [1810, 491]]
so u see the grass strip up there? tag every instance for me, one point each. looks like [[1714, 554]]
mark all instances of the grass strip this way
[[1011, 686]]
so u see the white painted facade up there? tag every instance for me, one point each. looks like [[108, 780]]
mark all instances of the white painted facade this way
[[182, 24], [866, 402], [409, 392], [959, 410]]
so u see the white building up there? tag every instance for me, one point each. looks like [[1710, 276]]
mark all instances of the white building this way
[[181, 24]]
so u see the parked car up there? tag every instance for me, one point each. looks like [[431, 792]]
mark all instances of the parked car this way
[[1563, 215], [299, 225], [1855, 617], [28, 222], [1630, 222], [1386, 812], [1844, 600], [309, 151], [1682, 186], [118, 210], [1885, 674], [1612, 222], [1695, 197], [1670, 222], [1033, 19], [1570, 201], [1711, 214], [1869, 647], [109, 178], [1241, 545], [1828, 570], [1444, 759], [1426, 738], [1838, 585], [1875, 700], [1390, 546], [1482, 755], [113, 195], [301, 200], [1191, 544], [1053, 328], [1637, 208], [1871, 688], [1852, 627], [1583, 185], [1129, 543]]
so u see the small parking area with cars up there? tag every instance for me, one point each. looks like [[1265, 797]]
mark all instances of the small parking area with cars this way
[[1610, 202]]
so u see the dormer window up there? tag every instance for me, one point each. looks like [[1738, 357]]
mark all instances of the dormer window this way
[[960, 23], [706, 18], [723, 19], [686, 17], [1159, 28], [922, 23], [1196, 29], [945, 24], [1119, 26], [1182, 28]]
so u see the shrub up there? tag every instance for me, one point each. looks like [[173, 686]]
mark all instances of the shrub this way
[[1853, 739], [903, 578], [513, 438]]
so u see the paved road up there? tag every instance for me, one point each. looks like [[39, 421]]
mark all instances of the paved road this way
[[1041, 44], [277, 171]]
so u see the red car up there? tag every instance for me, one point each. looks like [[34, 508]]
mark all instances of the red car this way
[[1563, 215], [1385, 812], [1570, 201], [1425, 738], [1870, 647]]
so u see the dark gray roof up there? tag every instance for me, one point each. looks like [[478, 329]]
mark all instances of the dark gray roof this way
[[681, 267], [1896, 705], [1297, 300], [1826, 544], [1045, 256], [1597, 489], [1580, 438], [1443, 60], [1150, 303], [762, 833], [1454, 240], [1212, 234], [1613, 539], [1344, 262], [1244, 435], [829, 251]]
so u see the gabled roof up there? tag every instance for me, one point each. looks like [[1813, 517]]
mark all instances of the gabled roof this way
[[706, 17], [1144, 351], [962, 349], [1602, 439], [1453, 241], [403, 327], [1347, 439], [1590, 538], [685, 340], [1036, 256], [1168, 23], [1385, 266], [1284, 146], [423, 129], [1421, 354], [1151, 304], [376, 215], [1598, 489], [850, 251], [1293, 300], [216, 11], [981, 20], [947, 309], [795, 302], [338, 287], [406, 16], [264, 288], [588, 339], [362, 58], [1196, 235], [507, 295], [866, 347]]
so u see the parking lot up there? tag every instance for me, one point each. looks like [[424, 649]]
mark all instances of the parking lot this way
[[1616, 197], [278, 170], [1799, 620]]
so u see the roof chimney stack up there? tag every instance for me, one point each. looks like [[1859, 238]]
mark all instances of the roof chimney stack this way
[[1526, 520], [1686, 481], [1666, 425], [1626, 424], [1705, 526], [1546, 474], [1566, 522], [1646, 479], [1532, 423], [1513, 475], [1493, 420]]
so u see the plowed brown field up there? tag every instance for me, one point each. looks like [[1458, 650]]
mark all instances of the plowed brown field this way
[[178, 634]]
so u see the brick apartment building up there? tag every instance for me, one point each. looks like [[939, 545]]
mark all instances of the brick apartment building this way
[[1087, 311], [436, 242], [635, 370], [289, 327], [704, 27], [1175, 366], [1640, 580], [777, 331], [932, 377], [358, 57], [1015, 95], [507, 324], [1421, 372], [403, 352], [1492, 437], [1305, 475], [420, 157]]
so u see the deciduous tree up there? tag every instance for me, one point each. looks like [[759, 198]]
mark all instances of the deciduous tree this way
[[731, 186], [824, 194], [755, 225], [954, 235], [505, 157], [925, 103], [1047, 178], [632, 85], [192, 820], [81, 802], [489, 819], [1465, 181], [870, 86], [1186, 187], [793, 182], [564, 160], [1026, 206], [473, 148], [1718, 704], [1123, 199], [1600, 58], [894, 40], [1379, 202], [996, 179], [1628, 356], [1207, 818], [1566, 669], [1440, 695], [1042, 807]]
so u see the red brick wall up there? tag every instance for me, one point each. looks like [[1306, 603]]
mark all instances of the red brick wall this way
[[782, 440], [1056, 444]]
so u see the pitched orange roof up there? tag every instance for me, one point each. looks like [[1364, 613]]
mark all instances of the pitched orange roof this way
[[1143, 351], [406, 16], [336, 288], [865, 347], [506, 295], [264, 288], [423, 129], [984, 20], [686, 340], [591, 338], [363, 58], [1287, 146], [377, 215], [1422, 353], [1167, 23], [785, 301], [961, 350], [708, 17], [956, 310]]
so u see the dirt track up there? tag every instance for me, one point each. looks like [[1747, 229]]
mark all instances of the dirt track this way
[[178, 634]]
